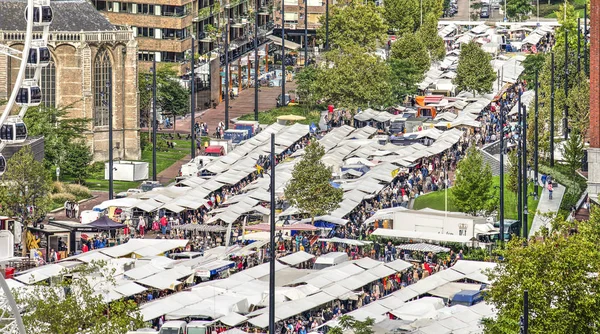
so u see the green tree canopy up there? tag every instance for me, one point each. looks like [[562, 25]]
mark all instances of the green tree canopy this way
[[171, 97], [404, 77], [573, 151], [428, 33], [307, 81], [60, 131], [309, 189], [412, 48], [72, 305], [532, 63], [26, 183], [559, 271], [518, 10], [474, 72], [472, 189], [354, 24], [354, 79], [402, 16]]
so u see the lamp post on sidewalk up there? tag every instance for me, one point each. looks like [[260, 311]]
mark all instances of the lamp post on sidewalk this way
[[154, 125], [193, 100]]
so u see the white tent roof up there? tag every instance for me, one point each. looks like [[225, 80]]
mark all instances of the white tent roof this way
[[296, 258]]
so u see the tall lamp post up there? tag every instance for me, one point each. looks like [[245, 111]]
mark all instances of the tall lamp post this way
[[108, 103], [153, 119], [272, 242], [283, 53], [193, 100], [524, 187], [326, 25], [502, 111], [226, 48], [519, 163], [305, 33], [552, 109], [566, 87], [256, 61], [536, 139]]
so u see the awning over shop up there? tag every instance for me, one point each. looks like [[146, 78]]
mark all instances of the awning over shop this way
[[288, 44]]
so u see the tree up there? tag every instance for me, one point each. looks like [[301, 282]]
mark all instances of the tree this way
[[352, 78], [60, 132], [513, 172], [72, 305], [410, 47], [308, 86], [346, 323], [77, 160], [171, 97], [428, 33], [474, 72], [471, 191], [354, 24], [26, 184], [573, 151], [557, 269], [404, 77], [579, 105], [532, 63], [402, 16], [518, 10], [309, 189]]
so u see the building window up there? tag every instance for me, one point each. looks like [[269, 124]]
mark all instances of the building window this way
[[146, 9], [145, 55], [102, 76], [145, 32], [47, 83]]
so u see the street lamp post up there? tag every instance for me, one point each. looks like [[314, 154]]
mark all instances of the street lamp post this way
[[193, 101], [502, 111], [272, 242], [578, 45], [552, 109], [536, 139], [519, 163], [256, 61], [110, 141], [282, 53], [326, 25], [585, 64], [153, 118], [525, 188], [226, 48], [566, 87], [305, 33]]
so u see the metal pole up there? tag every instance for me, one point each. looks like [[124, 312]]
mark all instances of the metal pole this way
[[536, 139], [502, 111], [305, 33], [256, 61], [525, 312], [566, 87], [552, 110], [110, 141], [282, 53], [227, 73], [519, 163], [585, 64], [578, 44], [193, 100], [326, 25], [525, 188], [272, 242], [154, 119], [421, 6]]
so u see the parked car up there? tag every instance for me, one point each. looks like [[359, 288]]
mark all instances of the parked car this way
[[149, 185]]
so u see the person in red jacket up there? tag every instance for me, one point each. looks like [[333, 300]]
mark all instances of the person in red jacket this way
[[84, 248]]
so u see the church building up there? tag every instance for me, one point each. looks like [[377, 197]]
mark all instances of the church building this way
[[91, 58]]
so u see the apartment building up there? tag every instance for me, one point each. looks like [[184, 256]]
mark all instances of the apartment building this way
[[163, 28], [294, 19]]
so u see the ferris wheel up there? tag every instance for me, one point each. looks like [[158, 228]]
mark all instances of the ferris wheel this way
[[26, 93], [26, 90]]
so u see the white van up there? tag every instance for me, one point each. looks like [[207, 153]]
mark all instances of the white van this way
[[174, 327], [330, 259], [198, 327], [88, 216]]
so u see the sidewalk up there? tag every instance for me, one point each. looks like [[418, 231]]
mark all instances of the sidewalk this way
[[546, 205], [172, 171]]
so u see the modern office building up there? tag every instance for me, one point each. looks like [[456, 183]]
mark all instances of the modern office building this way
[[162, 28]]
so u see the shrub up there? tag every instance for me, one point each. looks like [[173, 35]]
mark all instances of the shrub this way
[[79, 191], [57, 187], [60, 198]]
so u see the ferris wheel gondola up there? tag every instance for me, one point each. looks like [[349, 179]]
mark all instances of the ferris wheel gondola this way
[[29, 94], [42, 15], [13, 130], [38, 57]]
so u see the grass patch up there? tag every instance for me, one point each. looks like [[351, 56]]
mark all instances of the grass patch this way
[[436, 200], [270, 116], [165, 157]]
